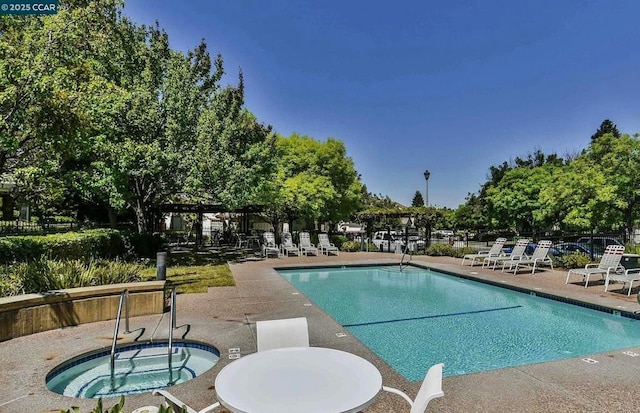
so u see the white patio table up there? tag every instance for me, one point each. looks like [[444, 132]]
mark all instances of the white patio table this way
[[298, 379]]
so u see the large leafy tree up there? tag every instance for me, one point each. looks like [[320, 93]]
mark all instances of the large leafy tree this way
[[317, 180], [619, 159], [234, 158], [515, 200], [580, 197]]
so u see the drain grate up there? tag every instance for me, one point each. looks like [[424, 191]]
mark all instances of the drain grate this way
[[341, 335], [590, 361], [631, 353]]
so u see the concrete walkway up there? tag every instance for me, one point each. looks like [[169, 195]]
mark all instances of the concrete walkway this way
[[225, 317]]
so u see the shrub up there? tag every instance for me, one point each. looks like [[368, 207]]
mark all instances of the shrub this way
[[461, 252], [46, 275], [440, 249], [96, 243], [350, 246], [575, 260], [338, 240], [354, 246]]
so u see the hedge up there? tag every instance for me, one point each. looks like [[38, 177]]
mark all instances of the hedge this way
[[95, 243]]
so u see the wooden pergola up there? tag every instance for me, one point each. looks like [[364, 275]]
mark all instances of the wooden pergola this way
[[200, 209]]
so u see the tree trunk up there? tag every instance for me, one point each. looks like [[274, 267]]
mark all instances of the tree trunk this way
[[141, 220], [113, 219]]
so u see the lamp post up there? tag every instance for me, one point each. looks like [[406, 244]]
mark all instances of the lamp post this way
[[427, 174]]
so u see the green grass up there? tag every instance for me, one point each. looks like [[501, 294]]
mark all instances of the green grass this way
[[191, 273]]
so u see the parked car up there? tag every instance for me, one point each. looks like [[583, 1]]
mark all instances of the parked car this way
[[599, 243], [566, 248], [528, 251]]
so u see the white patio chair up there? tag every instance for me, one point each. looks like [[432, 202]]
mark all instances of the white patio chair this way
[[494, 251], [517, 253], [628, 276], [431, 388], [305, 244], [269, 245], [540, 256], [325, 245], [176, 404], [610, 262], [287, 246], [285, 332]]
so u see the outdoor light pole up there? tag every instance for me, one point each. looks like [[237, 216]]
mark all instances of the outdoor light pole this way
[[426, 194]]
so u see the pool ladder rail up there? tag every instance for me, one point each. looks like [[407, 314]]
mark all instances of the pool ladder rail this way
[[124, 302], [124, 299]]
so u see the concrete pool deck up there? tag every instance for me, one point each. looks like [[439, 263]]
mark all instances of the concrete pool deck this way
[[225, 317]]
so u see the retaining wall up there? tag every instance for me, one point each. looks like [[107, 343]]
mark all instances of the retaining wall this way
[[33, 313]]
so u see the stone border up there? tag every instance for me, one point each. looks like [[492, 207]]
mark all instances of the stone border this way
[[33, 313]]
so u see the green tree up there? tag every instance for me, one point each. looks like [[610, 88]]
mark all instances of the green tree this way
[[317, 180], [580, 197], [606, 127], [418, 200], [234, 159], [619, 158], [515, 200]]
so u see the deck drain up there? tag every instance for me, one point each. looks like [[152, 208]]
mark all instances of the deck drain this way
[[631, 353], [295, 293], [473, 273], [590, 361], [307, 304], [234, 356], [341, 335], [234, 350]]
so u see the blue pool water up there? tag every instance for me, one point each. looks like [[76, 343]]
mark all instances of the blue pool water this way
[[139, 368], [416, 318]]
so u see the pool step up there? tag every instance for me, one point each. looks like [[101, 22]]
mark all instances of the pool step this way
[[134, 381], [149, 357]]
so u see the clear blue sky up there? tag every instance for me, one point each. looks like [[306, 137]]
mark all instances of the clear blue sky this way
[[452, 86]]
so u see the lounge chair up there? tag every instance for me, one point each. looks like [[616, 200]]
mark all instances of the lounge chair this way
[[610, 262], [286, 332], [269, 245], [628, 276], [176, 404], [325, 245], [518, 252], [494, 251], [305, 244], [430, 389], [540, 256], [287, 246]]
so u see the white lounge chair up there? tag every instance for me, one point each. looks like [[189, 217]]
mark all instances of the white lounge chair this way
[[287, 246], [325, 245], [431, 388], [494, 251], [305, 244], [628, 276], [176, 404], [285, 332], [610, 262], [540, 256], [269, 245], [517, 253]]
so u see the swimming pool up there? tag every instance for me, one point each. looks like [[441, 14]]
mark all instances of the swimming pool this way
[[138, 368], [418, 317]]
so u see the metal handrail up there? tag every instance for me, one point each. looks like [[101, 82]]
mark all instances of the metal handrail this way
[[124, 299], [172, 324]]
